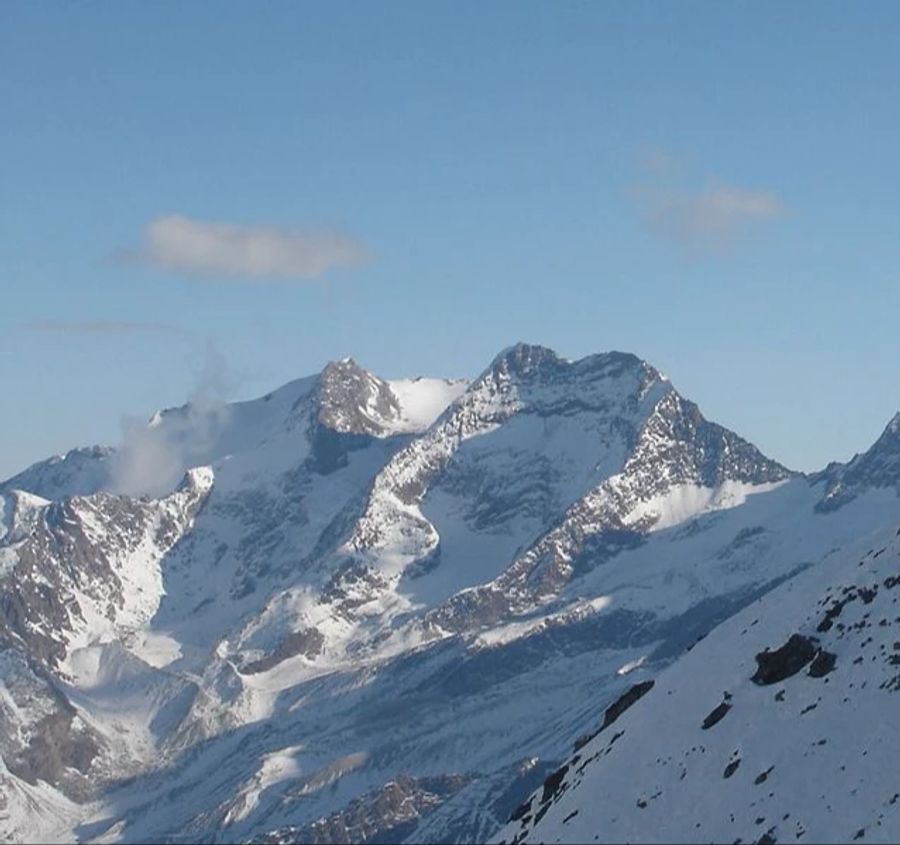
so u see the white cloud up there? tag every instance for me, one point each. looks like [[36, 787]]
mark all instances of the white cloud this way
[[206, 248], [710, 215]]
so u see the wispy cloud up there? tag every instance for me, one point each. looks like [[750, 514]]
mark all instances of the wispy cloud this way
[[153, 456], [213, 249], [101, 327], [707, 213]]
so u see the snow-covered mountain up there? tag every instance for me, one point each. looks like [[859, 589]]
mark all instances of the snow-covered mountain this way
[[359, 609], [779, 727]]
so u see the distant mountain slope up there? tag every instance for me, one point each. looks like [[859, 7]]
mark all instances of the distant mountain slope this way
[[77, 473]]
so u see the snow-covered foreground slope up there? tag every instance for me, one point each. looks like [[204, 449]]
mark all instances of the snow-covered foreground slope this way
[[369, 610], [781, 726]]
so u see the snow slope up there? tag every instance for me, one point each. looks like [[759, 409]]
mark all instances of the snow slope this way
[[779, 726], [423, 400]]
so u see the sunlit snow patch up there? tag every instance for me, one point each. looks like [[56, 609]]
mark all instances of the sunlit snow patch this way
[[686, 501], [422, 400], [631, 665], [503, 634]]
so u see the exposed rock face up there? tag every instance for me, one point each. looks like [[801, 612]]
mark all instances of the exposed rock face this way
[[350, 400], [621, 704], [350, 407], [64, 570], [387, 815], [307, 642], [718, 713], [778, 665], [616, 709], [42, 737]]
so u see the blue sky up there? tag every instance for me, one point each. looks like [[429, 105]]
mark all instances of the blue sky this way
[[713, 186]]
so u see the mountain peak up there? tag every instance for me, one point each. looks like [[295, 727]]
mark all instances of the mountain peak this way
[[351, 400], [892, 429], [524, 359], [343, 365], [878, 467]]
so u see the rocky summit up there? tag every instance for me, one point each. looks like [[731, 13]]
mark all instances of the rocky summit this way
[[551, 603]]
